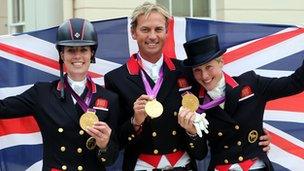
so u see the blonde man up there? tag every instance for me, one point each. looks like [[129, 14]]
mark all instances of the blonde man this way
[[160, 142]]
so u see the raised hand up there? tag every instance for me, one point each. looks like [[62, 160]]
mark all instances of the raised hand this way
[[139, 109], [101, 132]]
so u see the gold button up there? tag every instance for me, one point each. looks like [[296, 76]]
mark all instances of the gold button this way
[[155, 151], [64, 167], [60, 130], [79, 168], [132, 135], [241, 158], [191, 144], [237, 127], [81, 132], [239, 143], [175, 113], [226, 146], [174, 150], [103, 159], [129, 138], [62, 148], [173, 132], [79, 150], [226, 161], [220, 134], [154, 134]]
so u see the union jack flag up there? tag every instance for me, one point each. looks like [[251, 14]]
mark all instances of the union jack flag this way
[[270, 50]]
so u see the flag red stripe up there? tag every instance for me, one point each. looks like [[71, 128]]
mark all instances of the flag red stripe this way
[[18, 125], [36, 58], [169, 47], [286, 145], [292, 103], [260, 45]]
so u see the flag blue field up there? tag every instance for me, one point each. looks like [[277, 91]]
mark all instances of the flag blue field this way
[[268, 49]]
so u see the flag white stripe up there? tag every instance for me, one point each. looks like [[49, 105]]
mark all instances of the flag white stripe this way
[[13, 91], [36, 166], [285, 159], [49, 51], [180, 37], [284, 116], [266, 56], [32, 44], [103, 66], [133, 48], [284, 135], [246, 43], [29, 63], [11, 140], [273, 73]]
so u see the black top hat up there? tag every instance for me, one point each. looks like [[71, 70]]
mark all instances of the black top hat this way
[[202, 50]]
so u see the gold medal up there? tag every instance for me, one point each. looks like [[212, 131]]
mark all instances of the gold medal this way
[[91, 143], [154, 108], [190, 101], [88, 119]]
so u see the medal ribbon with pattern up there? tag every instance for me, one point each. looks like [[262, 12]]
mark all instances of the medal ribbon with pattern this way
[[153, 108], [211, 104], [89, 117]]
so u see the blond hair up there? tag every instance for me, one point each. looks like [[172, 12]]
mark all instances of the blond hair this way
[[219, 59], [146, 9]]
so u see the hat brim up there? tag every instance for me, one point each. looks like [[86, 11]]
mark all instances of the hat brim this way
[[202, 59], [76, 43]]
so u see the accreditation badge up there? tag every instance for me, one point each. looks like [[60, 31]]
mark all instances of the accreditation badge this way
[[253, 136], [91, 143]]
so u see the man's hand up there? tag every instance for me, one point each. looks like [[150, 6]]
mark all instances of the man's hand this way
[[139, 109]]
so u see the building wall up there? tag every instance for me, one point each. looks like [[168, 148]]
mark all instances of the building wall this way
[[40, 14], [67, 9], [104, 9], [3, 17], [266, 11]]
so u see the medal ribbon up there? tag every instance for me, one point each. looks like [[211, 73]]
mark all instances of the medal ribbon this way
[[153, 92], [211, 104], [84, 104]]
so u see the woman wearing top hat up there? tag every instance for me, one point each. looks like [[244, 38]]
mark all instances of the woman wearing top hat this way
[[234, 106], [69, 142]]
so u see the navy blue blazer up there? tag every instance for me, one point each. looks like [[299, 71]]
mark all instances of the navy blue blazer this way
[[161, 135], [235, 130], [64, 142]]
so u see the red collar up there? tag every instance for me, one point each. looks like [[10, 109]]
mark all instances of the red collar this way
[[90, 84], [229, 80], [134, 67]]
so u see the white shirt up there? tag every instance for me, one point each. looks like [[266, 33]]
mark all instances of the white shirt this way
[[77, 86], [218, 91], [152, 69]]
